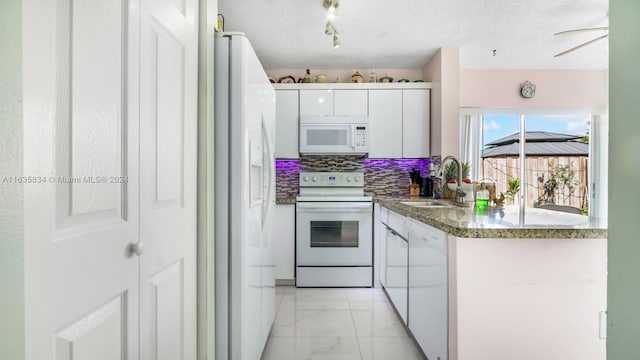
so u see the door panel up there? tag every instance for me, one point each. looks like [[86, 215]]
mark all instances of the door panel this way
[[167, 297], [96, 144], [81, 136], [169, 117], [90, 122], [99, 335], [168, 81]]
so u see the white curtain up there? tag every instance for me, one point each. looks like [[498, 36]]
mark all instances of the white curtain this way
[[471, 143]]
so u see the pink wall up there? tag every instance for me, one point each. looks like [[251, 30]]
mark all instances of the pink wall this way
[[443, 72], [433, 72], [555, 89], [527, 299]]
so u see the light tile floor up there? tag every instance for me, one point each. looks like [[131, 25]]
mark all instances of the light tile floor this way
[[337, 324]]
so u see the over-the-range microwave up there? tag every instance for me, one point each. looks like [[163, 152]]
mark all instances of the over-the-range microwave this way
[[334, 135]]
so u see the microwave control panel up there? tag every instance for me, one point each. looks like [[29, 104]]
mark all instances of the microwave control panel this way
[[361, 137]]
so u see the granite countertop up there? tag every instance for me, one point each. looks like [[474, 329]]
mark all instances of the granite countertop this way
[[501, 222]]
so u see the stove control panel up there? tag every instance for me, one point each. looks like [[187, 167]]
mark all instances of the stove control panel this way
[[331, 179]]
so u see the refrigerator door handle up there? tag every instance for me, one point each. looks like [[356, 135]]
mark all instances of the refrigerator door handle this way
[[272, 170]]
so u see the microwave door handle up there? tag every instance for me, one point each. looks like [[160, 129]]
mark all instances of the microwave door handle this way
[[353, 137]]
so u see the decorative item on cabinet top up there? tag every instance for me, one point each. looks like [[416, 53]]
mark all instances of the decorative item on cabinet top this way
[[320, 78], [306, 78], [287, 80], [324, 79], [373, 77], [386, 79], [356, 77]]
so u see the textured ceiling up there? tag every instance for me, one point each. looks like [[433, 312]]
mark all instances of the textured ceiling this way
[[406, 33]]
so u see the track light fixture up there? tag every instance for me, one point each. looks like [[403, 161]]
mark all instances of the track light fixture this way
[[331, 5], [329, 29]]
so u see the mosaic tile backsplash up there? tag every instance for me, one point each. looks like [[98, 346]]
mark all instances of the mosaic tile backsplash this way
[[383, 177]]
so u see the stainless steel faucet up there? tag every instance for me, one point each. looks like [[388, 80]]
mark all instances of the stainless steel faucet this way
[[459, 193]]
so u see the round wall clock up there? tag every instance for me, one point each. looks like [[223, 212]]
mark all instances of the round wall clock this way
[[527, 90]]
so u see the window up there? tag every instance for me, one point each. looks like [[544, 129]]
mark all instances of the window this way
[[559, 168]]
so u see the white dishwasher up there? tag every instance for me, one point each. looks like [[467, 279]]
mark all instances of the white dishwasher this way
[[428, 289]]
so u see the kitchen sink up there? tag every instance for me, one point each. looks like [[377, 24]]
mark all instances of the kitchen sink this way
[[426, 204]]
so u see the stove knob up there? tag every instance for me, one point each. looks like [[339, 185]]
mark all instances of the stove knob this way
[[305, 179], [314, 179], [357, 179], [348, 178]]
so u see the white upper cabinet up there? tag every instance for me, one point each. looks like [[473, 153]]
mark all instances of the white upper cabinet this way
[[385, 123], [287, 124], [415, 123], [350, 103], [329, 102], [316, 102], [399, 123], [399, 115]]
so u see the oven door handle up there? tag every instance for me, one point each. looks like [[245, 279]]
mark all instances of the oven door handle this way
[[365, 207]]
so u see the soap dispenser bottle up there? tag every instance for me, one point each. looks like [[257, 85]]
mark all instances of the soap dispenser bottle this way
[[482, 198]]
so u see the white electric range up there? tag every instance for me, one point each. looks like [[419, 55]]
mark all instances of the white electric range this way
[[334, 231]]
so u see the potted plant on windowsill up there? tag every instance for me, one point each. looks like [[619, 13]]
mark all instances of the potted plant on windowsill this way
[[513, 187]]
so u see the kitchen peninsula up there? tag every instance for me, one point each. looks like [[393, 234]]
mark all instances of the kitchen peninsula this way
[[490, 286]]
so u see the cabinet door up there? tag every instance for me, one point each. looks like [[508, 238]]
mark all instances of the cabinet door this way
[[350, 103], [428, 312], [281, 228], [287, 124], [380, 246], [316, 102], [385, 123], [415, 123], [396, 272]]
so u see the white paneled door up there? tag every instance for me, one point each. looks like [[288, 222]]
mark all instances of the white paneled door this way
[[80, 135], [109, 151], [168, 84]]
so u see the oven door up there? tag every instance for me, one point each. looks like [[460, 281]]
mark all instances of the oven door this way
[[334, 234]]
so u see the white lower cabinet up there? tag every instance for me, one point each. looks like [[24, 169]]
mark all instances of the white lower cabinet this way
[[413, 271], [282, 227], [379, 247], [396, 272], [428, 310]]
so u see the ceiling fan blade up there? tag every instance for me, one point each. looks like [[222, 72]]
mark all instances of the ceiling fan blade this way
[[581, 30], [581, 45]]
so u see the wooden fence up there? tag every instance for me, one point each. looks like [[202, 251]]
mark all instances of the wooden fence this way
[[538, 170]]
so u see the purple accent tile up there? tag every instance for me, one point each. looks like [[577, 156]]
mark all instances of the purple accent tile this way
[[383, 177]]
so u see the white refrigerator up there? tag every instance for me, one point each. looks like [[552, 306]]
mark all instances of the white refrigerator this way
[[244, 195]]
